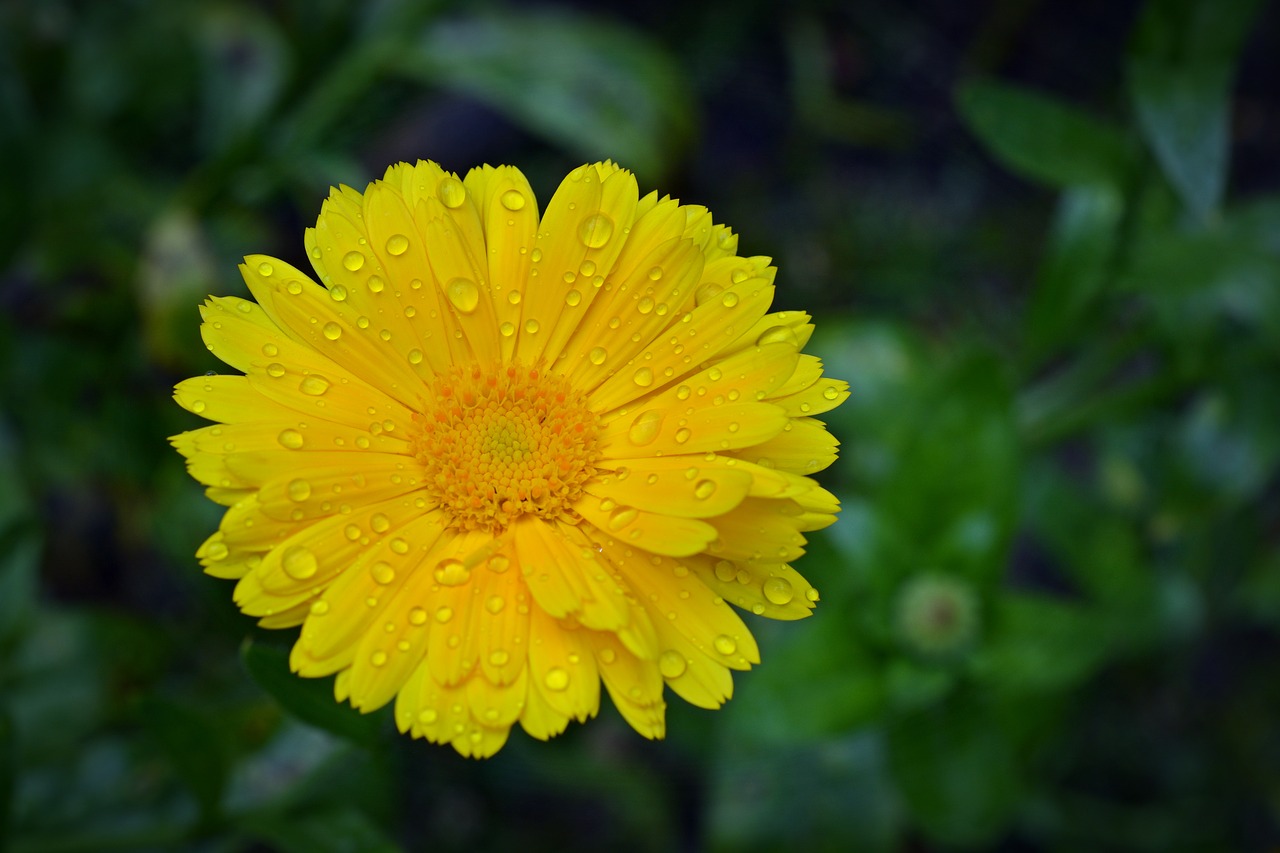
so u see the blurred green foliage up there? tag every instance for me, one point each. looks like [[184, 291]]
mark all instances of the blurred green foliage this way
[[1042, 245]]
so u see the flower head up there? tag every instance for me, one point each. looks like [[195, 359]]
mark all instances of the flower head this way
[[491, 461]]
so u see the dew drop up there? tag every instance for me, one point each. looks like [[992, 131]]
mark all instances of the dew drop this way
[[299, 563], [682, 435], [532, 327], [378, 658], [428, 716], [275, 370], [319, 608], [507, 329], [513, 200], [338, 293], [597, 356], [290, 438], [444, 613], [704, 489], [725, 571], [294, 287], [776, 335], [725, 645], [451, 572], [595, 230], [514, 297], [379, 523], [830, 392], [556, 679], [729, 300], [811, 593], [622, 516], [352, 532], [573, 298], [645, 305], [498, 563], [588, 267], [452, 192], [415, 356], [644, 429], [299, 490], [399, 546], [779, 591], [463, 294], [314, 385], [265, 269], [683, 392], [376, 284], [353, 261], [655, 273], [382, 572], [332, 331], [218, 551], [672, 664], [643, 377], [270, 350], [417, 616], [495, 604], [608, 656], [397, 244]]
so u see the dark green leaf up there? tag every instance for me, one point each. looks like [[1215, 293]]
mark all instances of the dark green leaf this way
[[1044, 139], [309, 699], [1038, 643], [8, 771], [337, 831], [958, 771], [245, 63], [598, 89], [195, 745]]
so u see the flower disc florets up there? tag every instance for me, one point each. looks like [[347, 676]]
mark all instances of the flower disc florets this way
[[504, 442]]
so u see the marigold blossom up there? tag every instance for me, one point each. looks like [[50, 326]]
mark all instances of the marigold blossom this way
[[491, 461]]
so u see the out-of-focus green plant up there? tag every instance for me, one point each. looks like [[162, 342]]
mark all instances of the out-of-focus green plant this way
[[1050, 609]]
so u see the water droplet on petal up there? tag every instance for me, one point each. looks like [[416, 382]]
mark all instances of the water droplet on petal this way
[[725, 644], [608, 656], [338, 293], [507, 329], [294, 287], [399, 546], [270, 350], [556, 679], [572, 298], [830, 392], [495, 604], [597, 356], [332, 331], [397, 244], [643, 377], [498, 563], [729, 300], [779, 591], [621, 517], [444, 613], [415, 356], [452, 192], [265, 269], [275, 370], [644, 429], [451, 572], [532, 327], [218, 551], [299, 490], [382, 572], [811, 594], [376, 284], [290, 438], [595, 230], [353, 261], [514, 297], [378, 658], [463, 294], [704, 489], [417, 616], [645, 305], [778, 334], [299, 563], [682, 435], [513, 200], [314, 385], [672, 664], [319, 608]]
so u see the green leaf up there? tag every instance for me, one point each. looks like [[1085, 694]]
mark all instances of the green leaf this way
[[310, 700], [1075, 267], [957, 768], [596, 88], [1038, 643], [1042, 138], [1179, 75], [8, 771], [195, 745], [245, 66], [336, 831]]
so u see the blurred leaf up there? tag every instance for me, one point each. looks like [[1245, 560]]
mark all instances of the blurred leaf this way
[[245, 65], [958, 771], [195, 745], [340, 830], [8, 771], [1038, 643], [1180, 73], [831, 795], [309, 699], [1044, 139], [599, 89], [1081, 248], [176, 274]]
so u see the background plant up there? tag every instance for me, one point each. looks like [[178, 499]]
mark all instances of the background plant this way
[[1042, 242]]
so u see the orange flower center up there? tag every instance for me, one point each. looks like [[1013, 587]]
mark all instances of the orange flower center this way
[[500, 443]]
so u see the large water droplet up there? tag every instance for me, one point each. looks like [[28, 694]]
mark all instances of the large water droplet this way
[[319, 608], [299, 563], [417, 616], [314, 385], [378, 658], [778, 334], [265, 269], [621, 517], [597, 356], [397, 244], [573, 298], [270, 350], [451, 572], [704, 489], [495, 604], [383, 572], [507, 329], [376, 284], [353, 261], [275, 370], [672, 664], [729, 300], [399, 546], [532, 326], [415, 356], [294, 287], [595, 230], [463, 294], [444, 613], [682, 435], [644, 429], [513, 200], [379, 523], [338, 293], [452, 192], [779, 591], [830, 392], [499, 657], [299, 490], [643, 377], [725, 644], [290, 438], [499, 563], [217, 551], [332, 331], [556, 679]]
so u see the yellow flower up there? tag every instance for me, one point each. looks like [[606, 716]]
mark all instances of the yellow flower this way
[[492, 461]]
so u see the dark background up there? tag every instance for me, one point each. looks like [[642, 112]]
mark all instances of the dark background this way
[[1041, 240]]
